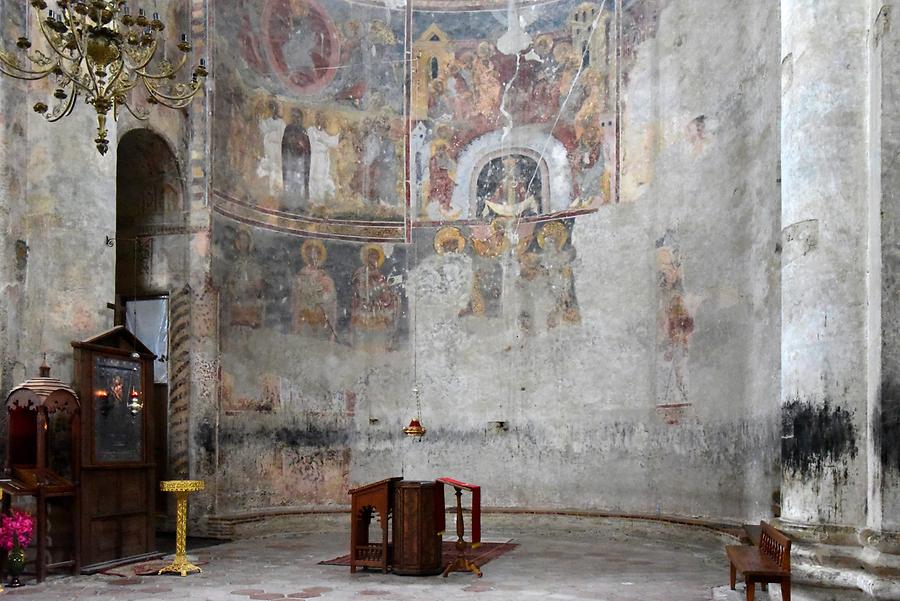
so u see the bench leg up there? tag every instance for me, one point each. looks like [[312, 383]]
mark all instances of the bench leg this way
[[786, 589], [751, 589], [733, 580]]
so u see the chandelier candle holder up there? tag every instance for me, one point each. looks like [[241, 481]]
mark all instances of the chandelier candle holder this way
[[99, 49]]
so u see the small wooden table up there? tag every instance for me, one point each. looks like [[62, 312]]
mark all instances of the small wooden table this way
[[181, 488], [366, 501]]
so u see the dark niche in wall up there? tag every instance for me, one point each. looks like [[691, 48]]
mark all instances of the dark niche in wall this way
[[816, 437]]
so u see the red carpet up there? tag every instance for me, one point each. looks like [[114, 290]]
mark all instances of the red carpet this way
[[483, 554], [144, 568]]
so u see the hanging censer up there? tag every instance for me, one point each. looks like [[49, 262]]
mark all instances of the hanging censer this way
[[415, 429]]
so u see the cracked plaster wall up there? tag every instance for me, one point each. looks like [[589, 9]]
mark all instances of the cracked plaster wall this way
[[627, 361]]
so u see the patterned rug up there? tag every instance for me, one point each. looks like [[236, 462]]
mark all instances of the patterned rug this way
[[144, 568], [483, 554]]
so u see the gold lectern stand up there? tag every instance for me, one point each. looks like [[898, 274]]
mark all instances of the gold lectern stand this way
[[182, 488]]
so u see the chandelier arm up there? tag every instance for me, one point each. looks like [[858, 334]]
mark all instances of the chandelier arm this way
[[41, 63], [114, 78], [49, 38], [141, 64], [13, 70], [167, 99], [67, 110], [73, 22], [73, 77], [162, 74], [141, 116]]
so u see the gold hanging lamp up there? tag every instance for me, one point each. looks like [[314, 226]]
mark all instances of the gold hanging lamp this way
[[99, 49], [415, 429]]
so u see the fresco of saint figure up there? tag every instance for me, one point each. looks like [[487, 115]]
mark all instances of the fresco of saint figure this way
[[449, 241], [676, 325], [321, 182], [244, 285], [591, 185], [271, 128], [314, 298], [487, 82], [442, 176], [556, 259], [295, 156], [374, 305], [379, 178], [487, 282]]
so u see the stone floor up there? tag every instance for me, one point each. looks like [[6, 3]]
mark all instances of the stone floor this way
[[557, 558]]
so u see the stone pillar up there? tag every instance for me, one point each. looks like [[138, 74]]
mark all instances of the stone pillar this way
[[830, 337], [12, 200], [887, 53], [203, 354]]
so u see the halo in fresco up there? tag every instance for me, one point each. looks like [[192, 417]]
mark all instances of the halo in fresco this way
[[303, 44]]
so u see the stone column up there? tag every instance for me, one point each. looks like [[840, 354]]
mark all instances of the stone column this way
[[12, 199], [830, 280], [202, 430], [887, 54]]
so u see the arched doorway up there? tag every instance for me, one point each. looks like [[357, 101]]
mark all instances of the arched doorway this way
[[151, 260]]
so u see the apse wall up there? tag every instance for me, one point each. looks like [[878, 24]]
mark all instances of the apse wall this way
[[558, 220]]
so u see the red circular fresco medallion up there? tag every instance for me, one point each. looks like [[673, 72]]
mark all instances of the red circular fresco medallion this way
[[302, 43]]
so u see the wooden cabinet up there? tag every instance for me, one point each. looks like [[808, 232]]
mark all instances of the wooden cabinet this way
[[417, 542], [114, 379], [42, 446]]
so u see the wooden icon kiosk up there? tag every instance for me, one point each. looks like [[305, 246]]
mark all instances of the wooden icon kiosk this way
[[114, 378], [42, 463]]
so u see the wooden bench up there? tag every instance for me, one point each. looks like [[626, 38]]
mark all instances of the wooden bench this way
[[770, 561]]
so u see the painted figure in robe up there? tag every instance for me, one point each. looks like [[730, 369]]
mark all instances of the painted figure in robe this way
[[375, 305], [270, 167], [245, 285], [487, 282], [676, 326], [442, 172], [557, 258], [321, 182], [314, 298]]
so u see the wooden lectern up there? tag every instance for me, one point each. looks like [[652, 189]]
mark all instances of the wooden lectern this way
[[462, 563], [367, 500]]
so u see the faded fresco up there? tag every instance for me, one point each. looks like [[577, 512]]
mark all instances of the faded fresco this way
[[440, 195], [310, 108], [345, 293], [286, 302], [512, 111], [326, 124], [365, 152], [675, 326]]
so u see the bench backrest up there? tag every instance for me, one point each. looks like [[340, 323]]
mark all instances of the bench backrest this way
[[775, 545]]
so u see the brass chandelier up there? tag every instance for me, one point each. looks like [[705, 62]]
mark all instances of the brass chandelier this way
[[99, 49]]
